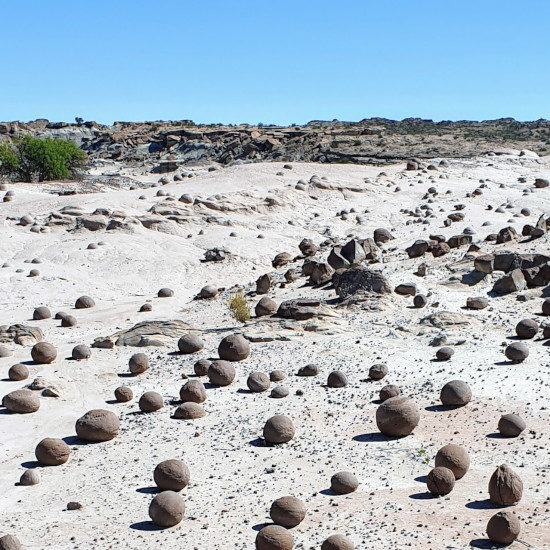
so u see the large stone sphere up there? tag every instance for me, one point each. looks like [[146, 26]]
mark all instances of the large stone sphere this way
[[391, 390], [287, 511], [344, 483], [397, 416], [503, 528], [167, 509], [165, 293], [69, 321], [138, 363], [201, 367], [84, 302], [18, 372], [81, 352], [41, 313], [221, 373], [516, 352], [266, 306], [337, 542], [337, 379], [455, 458], [527, 328], [234, 348], [511, 425], [97, 425], [21, 401], [546, 306], [377, 372], [151, 401], [440, 481], [455, 393], [189, 411], [209, 291], [171, 475], [123, 394], [258, 382], [52, 452], [274, 537], [505, 486], [194, 391], [278, 429], [43, 353], [190, 343], [9, 542], [444, 353], [29, 477]]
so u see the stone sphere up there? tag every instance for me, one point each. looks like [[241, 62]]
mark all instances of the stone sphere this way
[[84, 302], [201, 367], [234, 348], [444, 353], [69, 321], [138, 363], [43, 353], [81, 352], [9, 542], [287, 511], [274, 537], [52, 452], [455, 458], [41, 313], [258, 382], [308, 370], [146, 307], [150, 401], [505, 486], [5, 351], [377, 372], [190, 343], [221, 373], [97, 425], [171, 475], [278, 429], [420, 301], [527, 328], [455, 394], [189, 411], [30, 477], [344, 483], [516, 352], [167, 509], [18, 372], [21, 401], [279, 392], [440, 481], [391, 390], [337, 542], [208, 291], [277, 375], [193, 391], [60, 314], [503, 528], [34, 273], [397, 416], [511, 425], [123, 394], [337, 379], [165, 293], [546, 306], [266, 306]]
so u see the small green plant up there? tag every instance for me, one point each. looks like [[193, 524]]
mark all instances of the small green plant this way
[[238, 307], [422, 456]]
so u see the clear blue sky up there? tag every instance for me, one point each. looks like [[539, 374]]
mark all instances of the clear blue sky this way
[[274, 61]]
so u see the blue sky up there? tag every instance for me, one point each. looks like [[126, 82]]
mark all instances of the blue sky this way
[[275, 61]]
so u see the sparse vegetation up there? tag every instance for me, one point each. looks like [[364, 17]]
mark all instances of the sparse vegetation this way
[[238, 307]]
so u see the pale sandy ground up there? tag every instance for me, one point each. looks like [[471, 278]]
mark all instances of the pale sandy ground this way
[[233, 478]]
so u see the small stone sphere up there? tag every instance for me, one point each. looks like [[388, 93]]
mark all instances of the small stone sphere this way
[[503, 528], [21, 401], [455, 393], [138, 363], [279, 392], [97, 425], [308, 370], [43, 353], [546, 332], [165, 293], [194, 391], [258, 382], [337, 379], [189, 411], [274, 537], [344, 483], [391, 390], [337, 542], [234, 348], [287, 511], [146, 307], [9, 542], [18, 372], [123, 394], [190, 343], [455, 458], [34, 273], [209, 291], [201, 367], [171, 475], [5, 351], [81, 352], [221, 373], [546, 306], [167, 509], [266, 306], [397, 416], [60, 314], [30, 477], [444, 353], [84, 302], [150, 401], [69, 321], [440, 481], [527, 328], [516, 352], [52, 452], [511, 425], [420, 301], [505, 486], [377, 372], [41, 313], [278, 429], [277, 375]]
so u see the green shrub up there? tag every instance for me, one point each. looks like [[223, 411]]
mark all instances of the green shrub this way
[[29, 159], [239, 308]]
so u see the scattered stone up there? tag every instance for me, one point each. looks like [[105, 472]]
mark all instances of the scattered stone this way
[[84, 302], [266, 306], [406, 289], [189, 411], [279, 392], [397, 416], [308, 370], [477, 302], [201, 367], [511, 425], [123, 394], [171, 475], [440, 481], [505, 486], [503, 528], [221, 373], [359, 280], [258, 382], [377, 372], [41, 313], [527, 329], [165, 293], [69, 321], [81, 352], [274, 537], [455, 394], [420, 301], [278, 429], [29, 477], [208, 292], [343, 483], [138, 363], [194, 391], [18, 372], [97, 425], [389, 391], [190, 343], [234, 347], [167, 509], [444, 353], [287, 511], [151, 401], [455, 458], [337, 379], [22, 401], [43, 353], [52, 452], [516, 352], [337, 542]]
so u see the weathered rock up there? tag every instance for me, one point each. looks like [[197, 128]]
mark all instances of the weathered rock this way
[[21, 401], [165, 293], [221, 373], [444, 353], [505, 486], [41, 313], [97, 425], [167, 509], [503, 528], [287, 511], [337, 542], [507, 234], [263, 284], [378, 371], [455, 393], [266, 306], [281, 259], [138, 363], [359, 280], [511, 425], [308, 248], [527, 329], [123, 394], [321, 273], [274, 537], [43, 353], [353, 252], [484, 264], [201, 367], [455, 458], [81, 352], [337, 379], [516, 352], [52, 452], [278, 429], [477, 302], [299, 309], [234, 347], [417, 249], [397, 416], [171, 475], [343, 483], [336, 260], [193, 390], [513, 282], [84, 302], [18, 372], [440, 481], [190, 343], [406, 289], [382, 235], [151, 401], [389, 391], [308, 370]]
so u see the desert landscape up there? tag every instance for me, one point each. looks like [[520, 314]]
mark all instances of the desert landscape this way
[[252, 339]]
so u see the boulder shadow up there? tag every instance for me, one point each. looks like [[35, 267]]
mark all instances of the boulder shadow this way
[[260, 526], [258, 442], [442, 408], [373, 437], [329, 492], [243, 390], [31, 464], [111, 401], [148, 490], [146, 526], [75, 440], [126, 375], [482, 543], [497, 435], [421, 479], [484, 504], [422, 496]]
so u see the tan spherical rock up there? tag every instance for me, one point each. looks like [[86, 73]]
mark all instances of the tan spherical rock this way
[[97, 425], [455, 393], [266, 306], [151, 401], [84, 302], [308, 370], [505, 486], [165, 293], [43, 353], [344, 483], [258, 382], [511, 425], [397, 416], [167, 509], [516, 352], [21, 401], [444, 353], [274, 537], [234, 348], [189, 411], [81, 352], [440, 481], [190, 343], [194, 391], [29, 477], [201, 367], [41, 313], [287, 511], [391, 390], [455, 458], [279, 392], [171, 475], [123, 394], [221, 373], [138, 363], [527, 328], [18, 372], [208, 292], [10, 542], [337, 379], [278, 429], [69, 321], [377, 372], [503, 528], [337, 542], [52, 452], [145, 308], [277, 375]]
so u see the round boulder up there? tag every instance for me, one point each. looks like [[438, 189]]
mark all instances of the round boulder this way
[[81, 352], [287, 511], [123, 394], [516, 352], [52, 452], [209, 291], [277, 375], [9, 542], [138, 363], [278, 429], [440, 481], [511, 425], [167, 509], [69, 321], [308, 370], [145, 308], [455, 394], [189, 411], [455, 458], [193, 391], [18, 372], [258, 382], [43, 353], [505, 486], [171, 475], [201, 367], [503, 528], [190, 343], [97, 425], [274, 537], [337, 542], [234, 348], [391, 390], [29, 477], [546, 306], [151, 401], [397, 416], [337, 379], [527, 329], [41, 313], [266, 306], [420, 301], [377, 372], [279, 392], [21, 401], [221, 373], [84, 302], [165, 293], [5, 351], [444, 353], [344, 483]]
